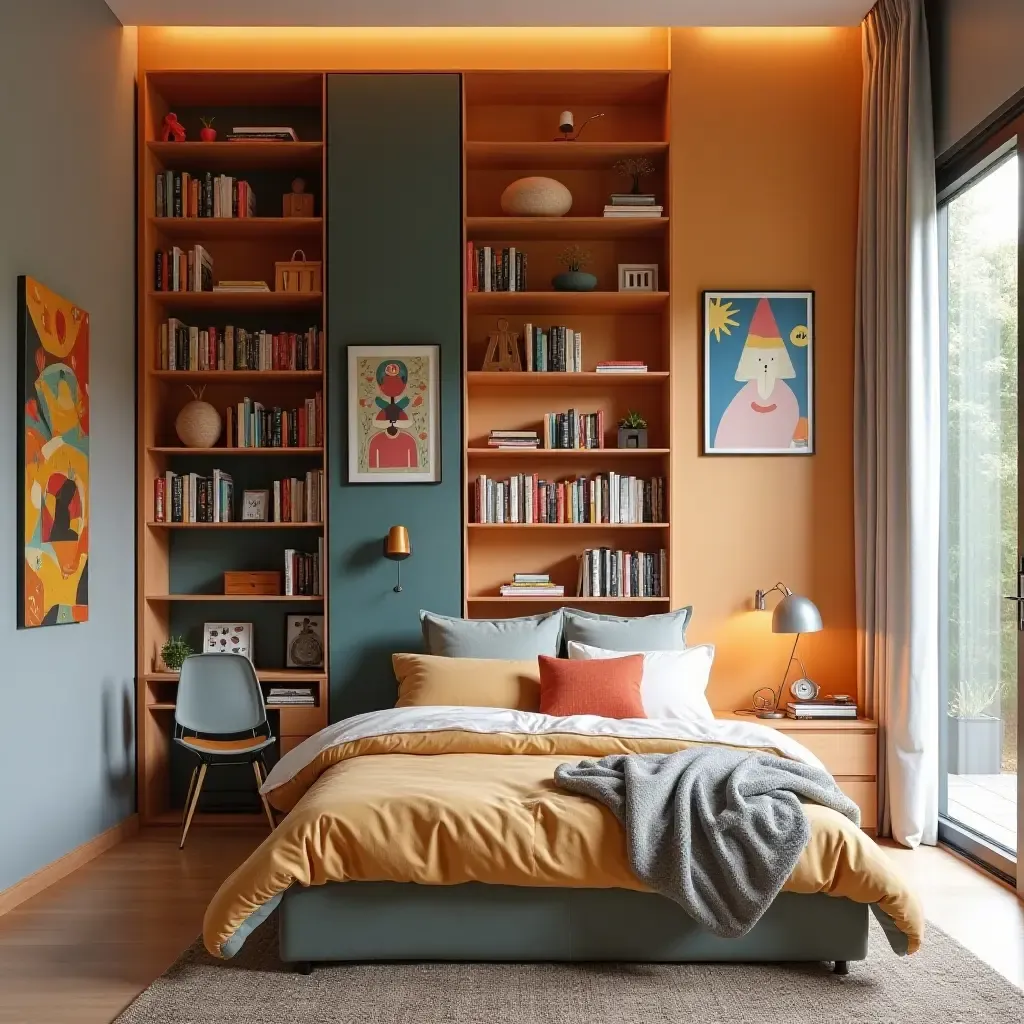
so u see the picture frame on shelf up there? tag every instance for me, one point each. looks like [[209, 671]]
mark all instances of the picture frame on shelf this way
[[758, 372], [304, 641], [255, 506], [228, 638], [638, 277], [394, 415]]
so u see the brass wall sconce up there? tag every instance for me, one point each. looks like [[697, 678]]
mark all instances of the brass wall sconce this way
[[397, 547]]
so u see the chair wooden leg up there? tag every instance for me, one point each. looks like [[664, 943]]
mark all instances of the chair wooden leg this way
[[188, 799], [259, 785], [192, 804]]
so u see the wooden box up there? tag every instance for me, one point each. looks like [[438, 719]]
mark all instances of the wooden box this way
[[298, 275], [298, 204], [247, 584]]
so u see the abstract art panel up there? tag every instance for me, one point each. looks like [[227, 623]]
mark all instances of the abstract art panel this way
[[53, 456], [393, 416], [758, 373]]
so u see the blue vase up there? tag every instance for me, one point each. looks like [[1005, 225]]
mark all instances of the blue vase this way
[[574, 281]]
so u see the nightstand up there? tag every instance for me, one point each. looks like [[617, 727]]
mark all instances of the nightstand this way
[[848, 749]]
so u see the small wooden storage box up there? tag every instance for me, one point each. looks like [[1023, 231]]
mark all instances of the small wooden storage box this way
[[248, 584], [298, 204], [298, 275]]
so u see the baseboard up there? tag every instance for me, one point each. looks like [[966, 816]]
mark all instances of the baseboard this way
[[63, 866]]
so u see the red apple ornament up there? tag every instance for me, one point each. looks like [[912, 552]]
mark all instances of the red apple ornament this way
[[207, 133]]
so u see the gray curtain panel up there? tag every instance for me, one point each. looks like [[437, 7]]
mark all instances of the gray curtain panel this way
[[897, 420]]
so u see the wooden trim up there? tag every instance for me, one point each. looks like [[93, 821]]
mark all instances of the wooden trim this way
[[52, 873]]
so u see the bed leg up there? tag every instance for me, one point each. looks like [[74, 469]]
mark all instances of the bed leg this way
[[303, 967], [842, 967]]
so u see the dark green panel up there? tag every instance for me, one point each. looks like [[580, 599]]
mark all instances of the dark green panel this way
[[394, 275]]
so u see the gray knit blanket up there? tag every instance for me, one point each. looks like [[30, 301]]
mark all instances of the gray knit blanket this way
[[714, 829]]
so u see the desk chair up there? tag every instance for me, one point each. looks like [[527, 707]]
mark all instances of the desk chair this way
[[219, 696]]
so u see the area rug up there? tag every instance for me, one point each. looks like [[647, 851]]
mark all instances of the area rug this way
[[942, 983]]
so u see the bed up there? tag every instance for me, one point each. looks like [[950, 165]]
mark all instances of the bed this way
[[437, 833]]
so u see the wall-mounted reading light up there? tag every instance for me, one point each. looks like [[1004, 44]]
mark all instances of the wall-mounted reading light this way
[[397, 548]]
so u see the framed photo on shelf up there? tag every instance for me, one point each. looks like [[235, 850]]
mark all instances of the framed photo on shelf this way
[[758, 373], [228, 638], [255, 505], [394, 421], [304, 641]]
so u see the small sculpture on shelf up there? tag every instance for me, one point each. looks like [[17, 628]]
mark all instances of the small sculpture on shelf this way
[[574, 278], [173, 130], [174, 652], [636, 168], [536, 197], [198, 424], [566, 125], [632, 431], [298, 202], [503, 350], [208, 133]]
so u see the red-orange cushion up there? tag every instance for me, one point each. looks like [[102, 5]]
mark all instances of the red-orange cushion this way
[[609, 687]]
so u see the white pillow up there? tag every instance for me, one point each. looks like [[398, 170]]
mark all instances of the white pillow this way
[[673, 682]]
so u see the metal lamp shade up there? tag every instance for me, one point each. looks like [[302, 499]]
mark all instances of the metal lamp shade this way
[[396, 544], [796, 614]]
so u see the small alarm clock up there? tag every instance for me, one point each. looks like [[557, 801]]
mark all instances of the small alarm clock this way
[[804, 689]]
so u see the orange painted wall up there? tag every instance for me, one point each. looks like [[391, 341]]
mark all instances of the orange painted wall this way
[[764, 180]]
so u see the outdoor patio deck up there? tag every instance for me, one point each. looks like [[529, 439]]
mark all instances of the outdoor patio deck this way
[[987, 804]]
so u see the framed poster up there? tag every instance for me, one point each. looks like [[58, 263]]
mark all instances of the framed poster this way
[[228, 638], [393, 415], [304, 643], [758, 373], [53, 458]]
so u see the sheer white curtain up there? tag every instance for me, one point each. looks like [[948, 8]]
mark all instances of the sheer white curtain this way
[[897, 423]]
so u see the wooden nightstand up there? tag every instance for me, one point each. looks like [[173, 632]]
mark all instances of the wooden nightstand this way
[[849, 750]]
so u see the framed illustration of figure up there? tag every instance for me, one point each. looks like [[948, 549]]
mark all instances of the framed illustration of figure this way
[[758, 373], [394, 421]]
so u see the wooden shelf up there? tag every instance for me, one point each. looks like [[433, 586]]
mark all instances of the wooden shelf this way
[[164, 705], [238, 228], [568, 526], [241, 156], [550, 155], [178, 450], [572, 453], [265, 675], [494, 379], [799, 725], [238, 300], [482, 229], [565, 302], [262, 598], [239, 376], [568, 598], [235, 526]]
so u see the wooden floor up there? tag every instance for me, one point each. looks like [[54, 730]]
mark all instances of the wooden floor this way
[[80, 951]]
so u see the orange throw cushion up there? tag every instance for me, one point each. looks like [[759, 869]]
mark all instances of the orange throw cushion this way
[[609, 687]]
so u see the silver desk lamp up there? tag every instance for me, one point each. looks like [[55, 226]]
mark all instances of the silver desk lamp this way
[[793, 614]]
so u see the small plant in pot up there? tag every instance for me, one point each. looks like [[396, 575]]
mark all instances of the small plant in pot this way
[[632, 431], [636, 168], [207, 133], [975, 735], [174, 652], [574, 278]]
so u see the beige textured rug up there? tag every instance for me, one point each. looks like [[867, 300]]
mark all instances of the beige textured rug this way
[[943, 984]]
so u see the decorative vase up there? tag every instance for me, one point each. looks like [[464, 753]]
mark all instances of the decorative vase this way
[[574, 281], [207, 134], [632, 437], [198, 425], [536, 197]]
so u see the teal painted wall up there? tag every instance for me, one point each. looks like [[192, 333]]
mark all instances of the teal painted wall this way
[[394, 275]]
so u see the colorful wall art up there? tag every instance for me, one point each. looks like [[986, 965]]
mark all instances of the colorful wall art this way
[[53, 396], [393, 414], [758, 373]]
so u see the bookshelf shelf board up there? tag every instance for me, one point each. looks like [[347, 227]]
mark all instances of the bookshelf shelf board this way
[[239, 300], [240, 228], [576, 155], [562, 302], [177, 450], [568, 526], [239, 156], [164, 705], [237, 376], [160, 598], [265, 675], [483, 229], [235, 526], [567, 599], [572, 453], [496, 379]]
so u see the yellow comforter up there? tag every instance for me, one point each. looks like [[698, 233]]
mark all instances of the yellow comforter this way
[[441, 796]]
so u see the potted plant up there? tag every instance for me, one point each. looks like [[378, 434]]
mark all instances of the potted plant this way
[[207, 133], [174, 651], [974, 735], [574, 278], [632, 431], [635, 168]]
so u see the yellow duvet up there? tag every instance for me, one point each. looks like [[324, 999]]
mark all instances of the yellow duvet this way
[[444, 795]]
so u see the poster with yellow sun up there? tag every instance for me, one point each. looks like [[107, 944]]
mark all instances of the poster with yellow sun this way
[[758, 373], [53, 392]]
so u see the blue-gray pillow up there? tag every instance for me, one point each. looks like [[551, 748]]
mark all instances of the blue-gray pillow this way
[[515, 639], [612, 632]]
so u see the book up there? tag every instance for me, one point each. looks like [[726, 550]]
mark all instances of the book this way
[[490, 269], [178, 270], [631, 199], [633, 211], [604, 572], [549, 591], [253, 132], [574, 430], [229, 348], [241, 286]]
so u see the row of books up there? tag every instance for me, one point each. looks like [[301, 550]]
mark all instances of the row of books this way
[[302, 576], [251, 424], [180, 194], [495, 270], [604, 572], [193, 498], [555, 350], [262, 133], [572, 429], [298, 696], [180, 270], [299, 499], [821, 709], [621, 366], [605, 498], [531, 584], [183, 347], [513, 439], [631, 204]]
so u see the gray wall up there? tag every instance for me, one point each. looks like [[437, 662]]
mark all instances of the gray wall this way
[[977, 62], [67, 72]]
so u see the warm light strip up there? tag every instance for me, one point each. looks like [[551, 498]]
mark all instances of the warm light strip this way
[[773, 34], [564, 36]]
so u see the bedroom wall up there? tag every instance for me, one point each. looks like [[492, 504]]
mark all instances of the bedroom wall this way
[[67, 208]]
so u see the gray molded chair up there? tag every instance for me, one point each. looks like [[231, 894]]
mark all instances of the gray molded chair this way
[[219, 696]]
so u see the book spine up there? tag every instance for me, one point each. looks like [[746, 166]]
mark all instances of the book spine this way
[[176, 211], [158, 271], [159, 495]]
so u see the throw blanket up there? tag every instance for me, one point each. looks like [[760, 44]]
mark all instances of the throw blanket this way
[[718, 831]]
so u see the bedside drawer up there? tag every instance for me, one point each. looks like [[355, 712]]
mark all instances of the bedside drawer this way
[[864, 793], [301, 721], [842, 753]]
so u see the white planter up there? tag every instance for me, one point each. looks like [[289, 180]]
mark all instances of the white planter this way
[[974, 745]]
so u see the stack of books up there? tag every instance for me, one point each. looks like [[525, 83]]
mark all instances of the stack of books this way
[[823, 708], [241, 286], [607, 573], [180, 194], [572, 429], [298, 695], [250, 424], [532, 584], [192, 498], [299, 499], [555, 350], [261, 133], [302, 576], [179, 271], [495, 270], [621, 366], [231, 348], [629, 204], [513, 439]]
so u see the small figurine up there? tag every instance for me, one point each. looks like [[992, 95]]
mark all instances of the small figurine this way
[[298, 202], [174, 131]]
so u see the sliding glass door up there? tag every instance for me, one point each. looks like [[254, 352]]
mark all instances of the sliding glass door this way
[[983, 577]]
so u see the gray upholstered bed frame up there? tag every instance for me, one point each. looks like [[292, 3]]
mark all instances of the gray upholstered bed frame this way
[[372, 921]]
